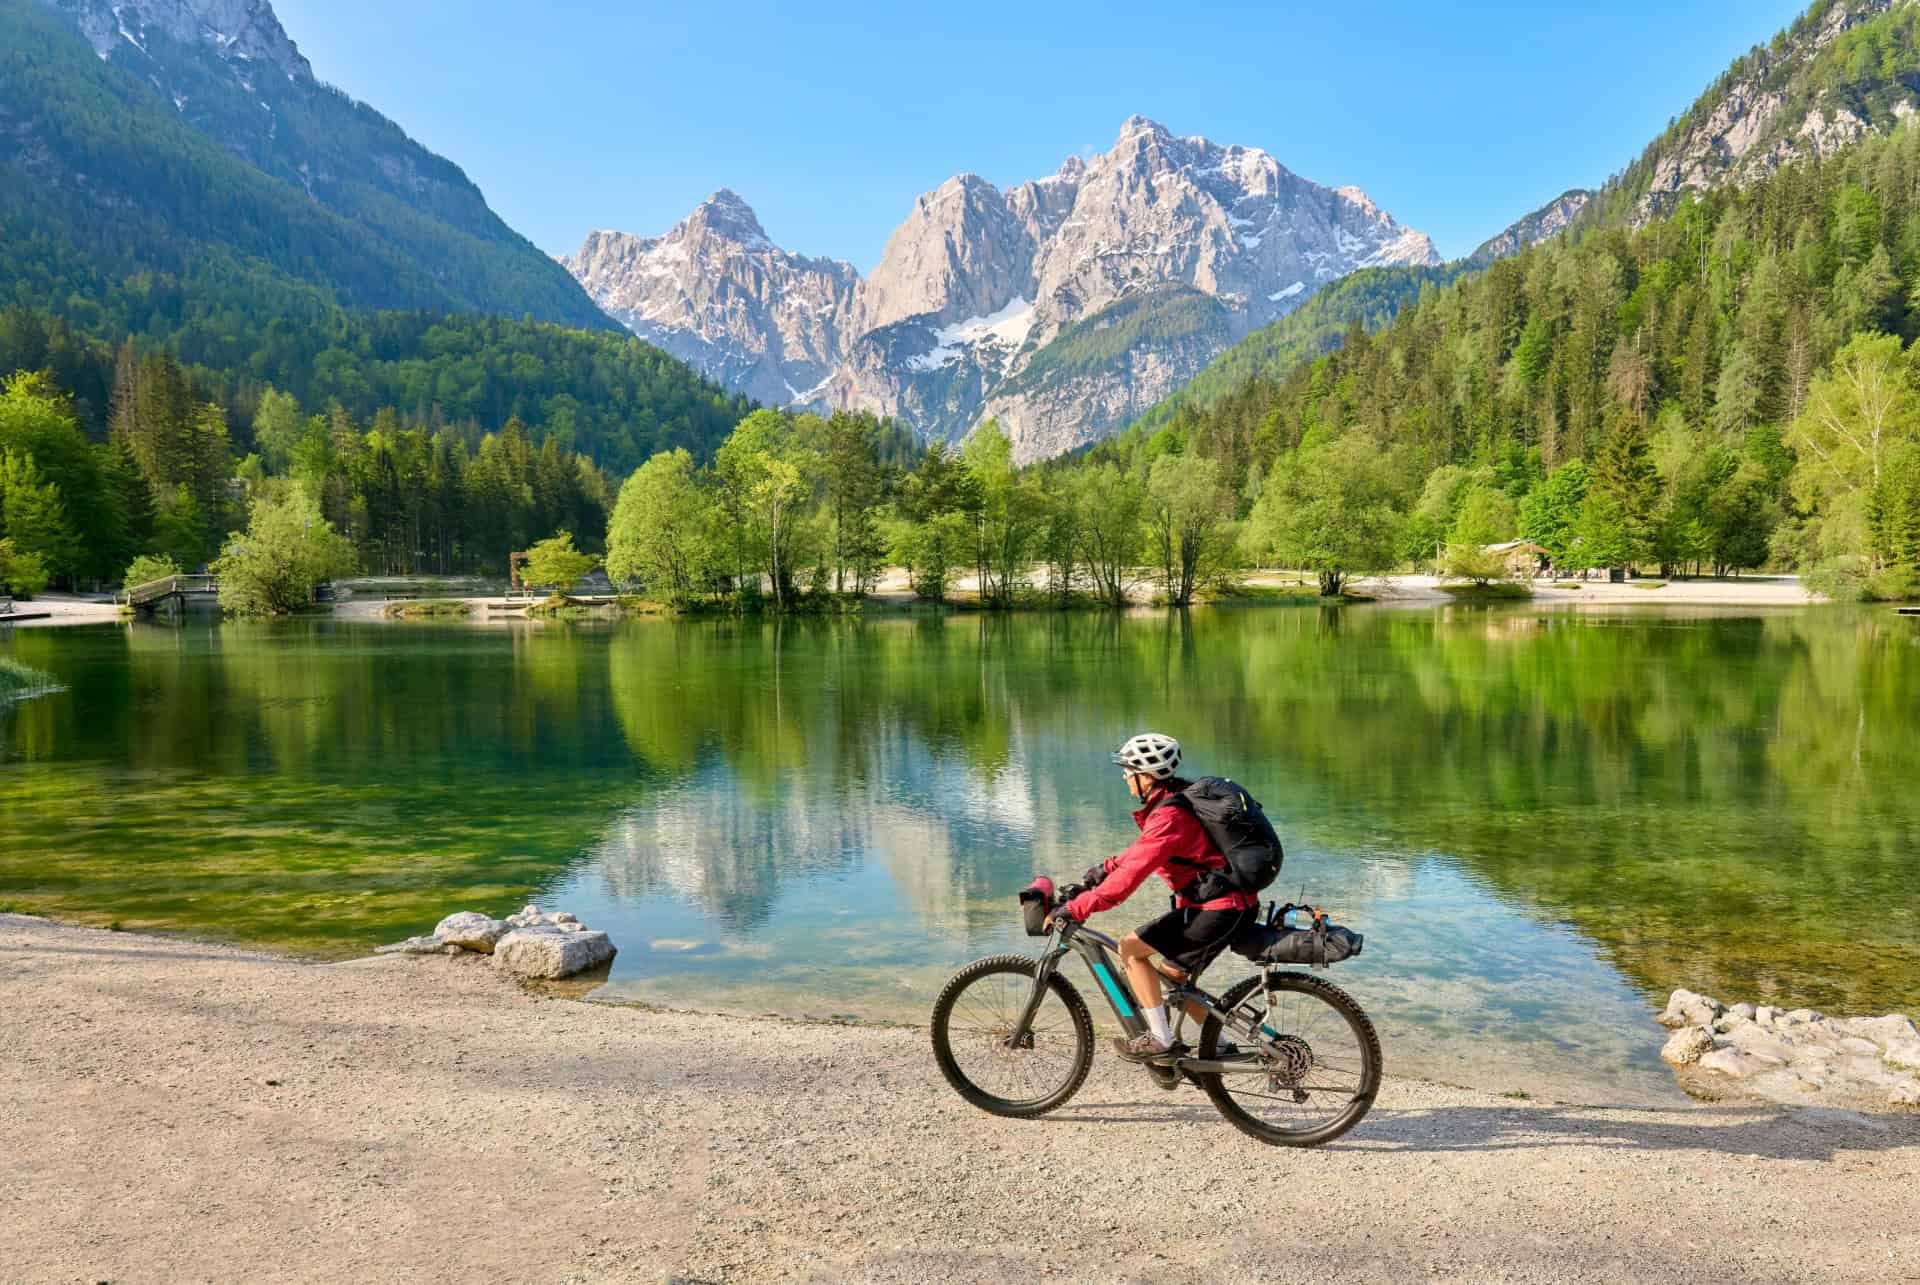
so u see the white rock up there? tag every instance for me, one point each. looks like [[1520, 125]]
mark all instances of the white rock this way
[[1744, 1012], [1885, 1031], [472, 930], [1904, 1054], [1765, 1014], [1800, 1017], [1733, 1062], [1686, 1046], [1854, 1044], [413, 946], [1685, 1008], [537, 952], [1905, 1095], [565, 917], [1750, 1037]]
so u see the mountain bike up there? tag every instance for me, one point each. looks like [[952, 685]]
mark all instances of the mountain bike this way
[[1287, 1057]]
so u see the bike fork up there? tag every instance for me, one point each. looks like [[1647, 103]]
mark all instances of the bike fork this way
[[1021, 1037]]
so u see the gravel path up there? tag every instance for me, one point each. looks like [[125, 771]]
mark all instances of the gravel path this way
[[177, 1111]]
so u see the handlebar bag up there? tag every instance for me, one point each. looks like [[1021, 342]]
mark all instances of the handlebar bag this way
[[1036, 899]]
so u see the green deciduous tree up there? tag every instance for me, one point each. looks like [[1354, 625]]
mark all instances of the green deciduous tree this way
[[287, 549], [1550, 515], [1858, 414], [555, 563], [34, 516], [662, 531], [21, 573], [1329, 509], [769, 470], [1008, 519], [1189, 520], [1109, 504]]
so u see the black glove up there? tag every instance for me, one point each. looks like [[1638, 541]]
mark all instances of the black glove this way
[[1060, 915], [1095, 873]]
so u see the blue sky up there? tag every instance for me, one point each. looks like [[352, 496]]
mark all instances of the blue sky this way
[[830, 119]]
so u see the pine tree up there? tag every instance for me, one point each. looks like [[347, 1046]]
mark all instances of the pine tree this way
[[1618, 521]]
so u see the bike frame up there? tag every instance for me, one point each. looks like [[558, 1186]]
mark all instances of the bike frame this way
[[1097, 950]]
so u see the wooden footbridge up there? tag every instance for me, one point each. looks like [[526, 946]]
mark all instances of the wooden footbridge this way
[[171, 592]]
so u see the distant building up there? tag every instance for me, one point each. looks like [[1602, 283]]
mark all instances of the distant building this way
[[1524, 558]]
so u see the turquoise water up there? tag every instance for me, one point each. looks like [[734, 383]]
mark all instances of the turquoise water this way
[[1541, 820]]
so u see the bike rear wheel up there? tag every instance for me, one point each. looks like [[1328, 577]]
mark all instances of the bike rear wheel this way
[[1317, 1081], [973, 1018]]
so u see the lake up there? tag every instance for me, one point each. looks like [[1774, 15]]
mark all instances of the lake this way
[[1542, 820]]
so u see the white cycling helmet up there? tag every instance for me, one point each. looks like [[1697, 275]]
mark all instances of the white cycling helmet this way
[[1150, 753]]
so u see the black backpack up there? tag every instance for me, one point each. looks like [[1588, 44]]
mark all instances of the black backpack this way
[[1238, 827]]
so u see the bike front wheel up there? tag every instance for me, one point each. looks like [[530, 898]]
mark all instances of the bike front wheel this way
[[973, 1021], [1311, 1058]]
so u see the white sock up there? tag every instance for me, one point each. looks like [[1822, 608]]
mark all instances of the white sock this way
[[1157, 1023]]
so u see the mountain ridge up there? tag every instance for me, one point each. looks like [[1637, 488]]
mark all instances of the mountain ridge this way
[[1801, 94], [977, 282], [110, 109]]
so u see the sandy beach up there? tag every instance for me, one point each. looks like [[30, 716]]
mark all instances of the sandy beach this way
[[185, 1112], [56, 609]]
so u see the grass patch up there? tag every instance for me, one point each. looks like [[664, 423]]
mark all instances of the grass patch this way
[[428, 609], [1518, 1095], [1498, 591], [1280, 595], [18, 680], [1648, 584], [1569, 584]]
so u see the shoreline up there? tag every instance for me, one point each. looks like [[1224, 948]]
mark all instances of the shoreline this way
[[186, 1110], [893, 596]]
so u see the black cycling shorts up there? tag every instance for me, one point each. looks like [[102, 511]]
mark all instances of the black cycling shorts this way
[[1190, 939]]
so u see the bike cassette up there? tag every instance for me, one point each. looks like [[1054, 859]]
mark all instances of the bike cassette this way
[[1288, 1060]]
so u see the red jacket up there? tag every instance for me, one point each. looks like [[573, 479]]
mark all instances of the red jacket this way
[[1167, 830]]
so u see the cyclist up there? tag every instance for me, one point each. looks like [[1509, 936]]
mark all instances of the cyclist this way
[[1206, 911]]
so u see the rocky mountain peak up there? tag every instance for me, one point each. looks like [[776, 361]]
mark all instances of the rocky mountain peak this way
[[239, 31], [1783, 101], [726, 215], [1062, 306]]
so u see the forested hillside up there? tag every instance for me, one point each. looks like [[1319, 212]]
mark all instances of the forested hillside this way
[[1843, 71], [1728, 386], [109, 190], [1367, 299], [605, 394]]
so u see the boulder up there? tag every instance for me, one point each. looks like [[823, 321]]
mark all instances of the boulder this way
[[1745, 1012], [1904, 1055], [471, 930], [1753, 1038], [1684, 1008], [1735, 1063], [1765, 1014], [545, 952], [1885, 1032], [1687, 1045], [413, 946]]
